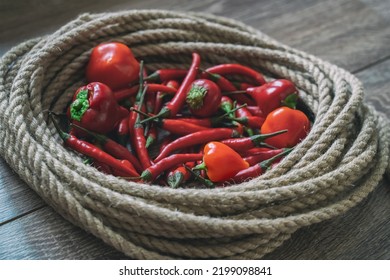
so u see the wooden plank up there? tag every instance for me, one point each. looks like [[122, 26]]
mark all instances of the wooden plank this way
[[376, 83], [45, 235], [16, 198], [350, 34], [361, 233], [346, 32]]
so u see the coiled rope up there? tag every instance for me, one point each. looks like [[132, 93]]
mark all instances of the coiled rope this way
[[340, 162]]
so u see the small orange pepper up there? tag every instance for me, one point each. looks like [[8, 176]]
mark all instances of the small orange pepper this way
[[221, 162]]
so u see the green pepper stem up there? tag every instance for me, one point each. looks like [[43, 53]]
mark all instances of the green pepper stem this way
[[200, 166], [64, 136], [257, 139], [291, 101], [267, 163], [99, 137], [207, 183], [162, 114]]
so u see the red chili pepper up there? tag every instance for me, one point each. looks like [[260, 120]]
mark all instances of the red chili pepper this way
[[120, 173], [243, 86], [221, 162], [189, 140], [137, 131], [257, 169], [203, 98], [244, 116], [179, 175], [254, 151], [250, 121], [113, 148], [205, 122], [140, 141], [255, 111], [266, 154], [274, 95], [295, 121], [102, 167], [237, 69], [123, 128], [246, 143], [226, 86], [209, 122], [152, 88], [226, 104], [177, 102], [164, 75], [180, 127], [222, 82], [151, 173], [112, 64], [90, 150], [95, 108], [160, 95]]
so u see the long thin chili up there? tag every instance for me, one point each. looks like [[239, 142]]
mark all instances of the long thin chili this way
[[151, 173], [245, 143], [232, 69], [258, 169], [113, 148], [196, 138], [177, 102], [90, 150]]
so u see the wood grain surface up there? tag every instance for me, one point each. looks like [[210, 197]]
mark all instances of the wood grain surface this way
[[352, 34]]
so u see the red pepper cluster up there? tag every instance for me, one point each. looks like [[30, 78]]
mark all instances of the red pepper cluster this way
[[215, 126]]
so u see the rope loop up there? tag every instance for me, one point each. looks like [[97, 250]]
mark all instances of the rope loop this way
[[341, 161]]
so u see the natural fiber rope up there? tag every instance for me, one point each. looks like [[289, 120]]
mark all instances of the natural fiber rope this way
[[340, 162]]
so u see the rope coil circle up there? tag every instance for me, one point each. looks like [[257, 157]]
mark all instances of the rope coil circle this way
[[340, 162]]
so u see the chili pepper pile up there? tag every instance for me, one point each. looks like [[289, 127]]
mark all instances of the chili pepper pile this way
[[181, 127]]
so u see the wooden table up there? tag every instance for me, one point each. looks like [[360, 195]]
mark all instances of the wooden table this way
[[352, 34]]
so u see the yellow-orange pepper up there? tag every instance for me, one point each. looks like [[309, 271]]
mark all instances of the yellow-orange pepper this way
[[221, 162]]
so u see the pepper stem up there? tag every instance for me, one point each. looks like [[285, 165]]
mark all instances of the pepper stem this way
[[267, 163], [64, 136], [207, 183], [291, 101], [258, 139], [99, 137], [200, 166], [195, 97], [162, 114]]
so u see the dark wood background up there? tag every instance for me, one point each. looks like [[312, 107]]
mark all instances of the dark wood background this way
[[350, 33]]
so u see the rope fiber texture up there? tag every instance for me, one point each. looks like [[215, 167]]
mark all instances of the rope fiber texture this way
[[341, 161]]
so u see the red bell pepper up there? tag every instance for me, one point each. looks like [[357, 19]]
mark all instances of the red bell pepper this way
[[94, 107]]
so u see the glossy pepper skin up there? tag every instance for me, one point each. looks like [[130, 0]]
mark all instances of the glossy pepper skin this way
[[295, 121], [112, 64], [203, 98], [221, 161], [94, 107], [273, 95]]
